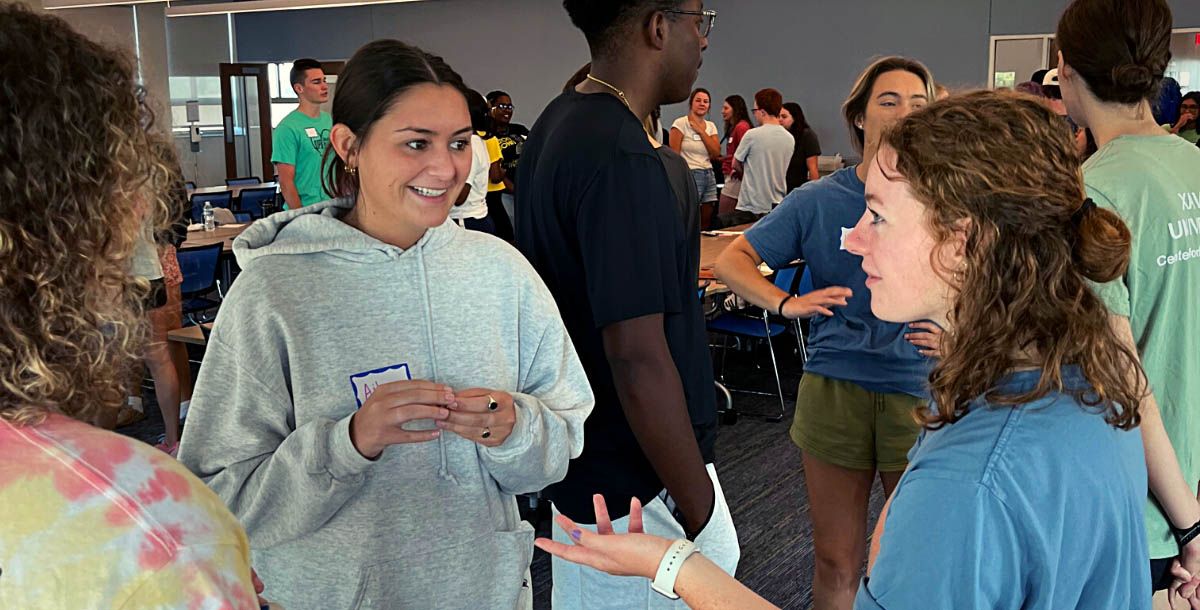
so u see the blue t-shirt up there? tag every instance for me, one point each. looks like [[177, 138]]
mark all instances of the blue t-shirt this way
[[812, 223], [1038, 507]]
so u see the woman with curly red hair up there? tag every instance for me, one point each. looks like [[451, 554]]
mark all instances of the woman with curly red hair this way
[[1025, 488]]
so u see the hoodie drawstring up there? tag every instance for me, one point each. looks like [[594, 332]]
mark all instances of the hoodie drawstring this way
[[444, 471]]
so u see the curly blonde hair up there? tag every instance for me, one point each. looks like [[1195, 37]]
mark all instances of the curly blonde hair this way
[[1002, 167], [82, 175]]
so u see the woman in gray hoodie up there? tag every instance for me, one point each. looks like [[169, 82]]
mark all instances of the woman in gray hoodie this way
[[379, 382]]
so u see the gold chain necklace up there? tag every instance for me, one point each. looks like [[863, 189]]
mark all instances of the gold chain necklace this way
[[620, 94]]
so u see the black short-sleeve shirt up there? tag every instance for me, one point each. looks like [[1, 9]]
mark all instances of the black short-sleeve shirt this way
[[597, 218], [807, 145]]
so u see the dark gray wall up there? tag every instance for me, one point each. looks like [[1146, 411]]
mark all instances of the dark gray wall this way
[[1041, 16], [811, 51]]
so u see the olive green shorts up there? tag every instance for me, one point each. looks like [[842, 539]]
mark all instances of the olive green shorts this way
[[841, 423]]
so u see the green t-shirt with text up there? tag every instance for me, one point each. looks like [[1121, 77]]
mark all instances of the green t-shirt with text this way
[[1153, 183], [300, 140]]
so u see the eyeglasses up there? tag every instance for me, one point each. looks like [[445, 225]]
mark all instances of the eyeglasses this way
[[503, 106], [706, 25]]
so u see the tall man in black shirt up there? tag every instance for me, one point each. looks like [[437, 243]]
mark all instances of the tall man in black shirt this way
[[598, 219]]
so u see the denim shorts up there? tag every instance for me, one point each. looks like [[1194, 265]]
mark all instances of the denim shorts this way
[[706, 184]]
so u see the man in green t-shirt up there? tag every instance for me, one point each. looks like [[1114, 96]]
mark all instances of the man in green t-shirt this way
[[300, 140]]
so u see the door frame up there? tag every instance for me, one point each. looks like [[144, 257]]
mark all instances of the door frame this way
[[259, 71]]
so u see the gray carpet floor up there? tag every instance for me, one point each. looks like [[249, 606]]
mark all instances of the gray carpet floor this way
[[760, 470]]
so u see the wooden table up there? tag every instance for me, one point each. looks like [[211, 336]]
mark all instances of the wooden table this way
[[711, 247], [189, 334], [223, 234], [236, 190]]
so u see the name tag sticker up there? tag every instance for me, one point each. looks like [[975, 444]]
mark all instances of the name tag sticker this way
[[365, 384], [311, 132], [696, 137]]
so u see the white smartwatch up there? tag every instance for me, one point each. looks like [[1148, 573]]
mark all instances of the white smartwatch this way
[[668, 568]]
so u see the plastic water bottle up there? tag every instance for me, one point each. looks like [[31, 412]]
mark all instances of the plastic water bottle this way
[[209, 224]]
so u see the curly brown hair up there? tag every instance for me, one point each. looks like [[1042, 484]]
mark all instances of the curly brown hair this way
[[1000, 167], [83, 174]]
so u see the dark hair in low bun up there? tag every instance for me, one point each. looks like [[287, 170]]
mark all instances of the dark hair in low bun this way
[[374, 78], [1120, 47]]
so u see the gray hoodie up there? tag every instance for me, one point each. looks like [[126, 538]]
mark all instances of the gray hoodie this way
[[321, 314]]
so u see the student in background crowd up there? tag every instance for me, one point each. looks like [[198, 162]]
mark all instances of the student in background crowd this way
[[1112, 57], [1166, 107], [762, 157], [372, 439], [1030, 88], [864, 376], [1189, 110], [598, 219], [471, 211], [1029, 438], [91, 519], [803, 166], [695, 139], [737, 123], [299, 141], [168, 360], [511, 137]]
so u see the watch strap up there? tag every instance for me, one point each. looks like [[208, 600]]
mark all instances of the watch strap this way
[[1185, 536], [668, 568]]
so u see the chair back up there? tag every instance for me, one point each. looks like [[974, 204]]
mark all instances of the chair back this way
[[249, 180], [785, 279], [224, 216], [806, 282], [252, 200], [222, 199], [199, 267]]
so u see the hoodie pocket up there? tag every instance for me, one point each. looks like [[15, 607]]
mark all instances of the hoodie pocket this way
[[490, 571]]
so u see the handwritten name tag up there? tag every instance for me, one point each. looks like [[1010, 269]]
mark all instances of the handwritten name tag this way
[[311, 132], [365, 384]]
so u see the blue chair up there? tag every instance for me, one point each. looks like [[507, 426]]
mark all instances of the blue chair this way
[[727, 415], [222, 199], [199, 267], [247, 181], [252, 200], [740, 326], [191, 186]]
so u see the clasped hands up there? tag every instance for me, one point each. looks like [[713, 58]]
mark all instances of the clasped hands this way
[[479, 415]]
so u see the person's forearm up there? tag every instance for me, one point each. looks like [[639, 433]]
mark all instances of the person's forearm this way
[[712, 144], [652, 398], [1162, 465], [705, 586], [290, 195], [1162, 469], [736, 269]]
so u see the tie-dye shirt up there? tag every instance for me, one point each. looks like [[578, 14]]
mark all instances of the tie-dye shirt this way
[[91, 519]]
